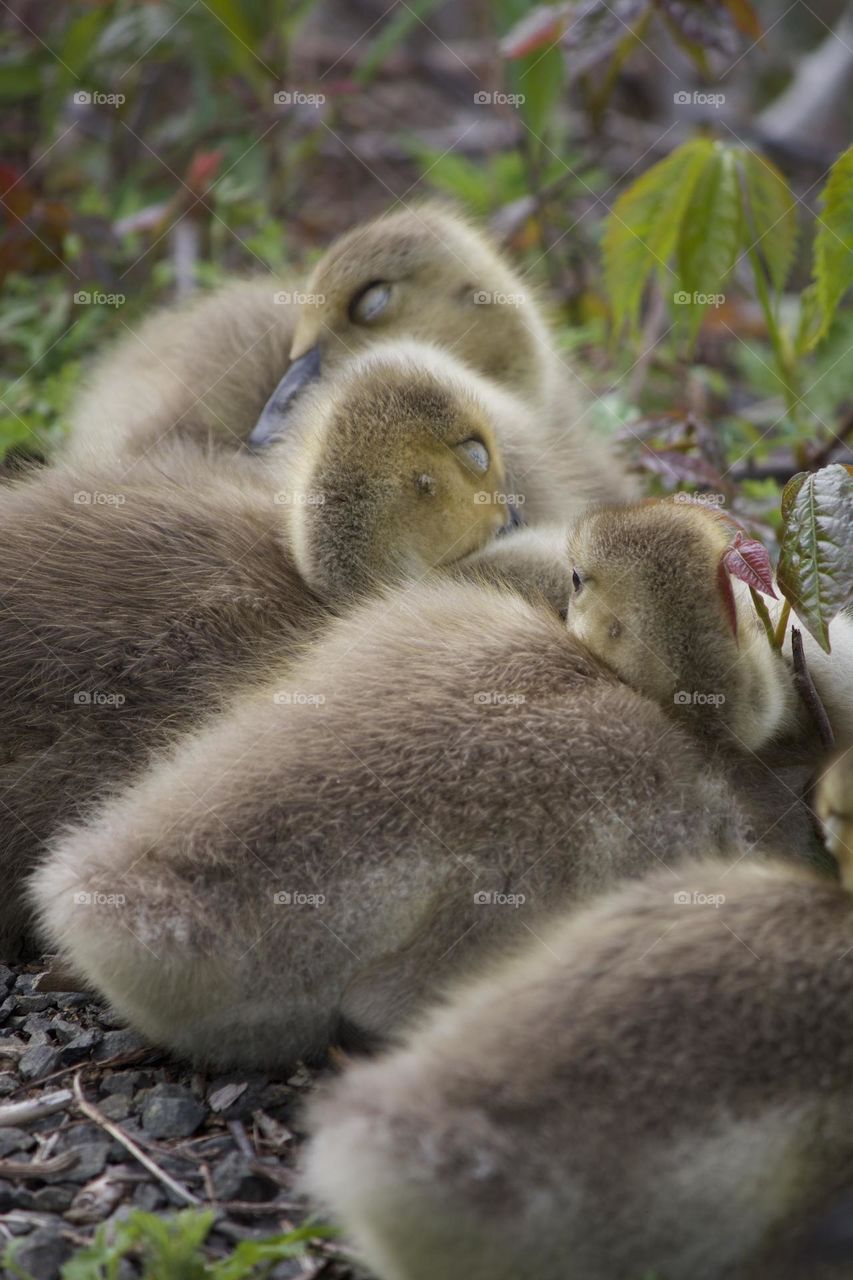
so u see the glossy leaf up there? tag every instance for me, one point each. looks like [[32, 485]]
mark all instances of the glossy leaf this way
[[710, 235], [816, 558]]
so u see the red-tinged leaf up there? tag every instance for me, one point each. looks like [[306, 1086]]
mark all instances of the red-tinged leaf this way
[[204, 167], [536, 30], [748, 560], [724, 585]]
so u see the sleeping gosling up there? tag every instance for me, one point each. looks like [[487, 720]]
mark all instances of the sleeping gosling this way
[[130, 609], [658, 1084]]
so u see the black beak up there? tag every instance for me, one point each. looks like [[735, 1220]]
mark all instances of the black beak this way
[[272, 423]]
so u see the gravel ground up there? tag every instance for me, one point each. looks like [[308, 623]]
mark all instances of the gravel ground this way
[[231, 1141]]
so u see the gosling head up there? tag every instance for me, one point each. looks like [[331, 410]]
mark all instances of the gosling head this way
[[420, 273], [393, 469], [651, 598]]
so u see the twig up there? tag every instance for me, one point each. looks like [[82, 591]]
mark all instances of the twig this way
[[763, 613], [15, 1113], [807, 691], [38, 1168], [90, 1110], [781, 625]]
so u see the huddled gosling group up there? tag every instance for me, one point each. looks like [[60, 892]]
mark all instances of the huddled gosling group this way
[[350, 697]]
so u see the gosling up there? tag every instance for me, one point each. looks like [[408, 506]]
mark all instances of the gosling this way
[[658, 1084]]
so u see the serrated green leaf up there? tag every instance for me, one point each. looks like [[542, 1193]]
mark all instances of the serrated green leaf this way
[[644, 225], [808, 320], [710, 235], [771, 215], [816, 557], [833, 246]]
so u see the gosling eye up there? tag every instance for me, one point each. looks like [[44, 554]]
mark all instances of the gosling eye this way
[[474, 454], [369, 304], [577, 581]]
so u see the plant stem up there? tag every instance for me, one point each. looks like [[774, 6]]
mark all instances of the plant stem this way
[[785, 361], [761, 610], [782, 625]]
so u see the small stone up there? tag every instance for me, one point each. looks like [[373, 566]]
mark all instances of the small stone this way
[[8, 1196], [124, 1081], [116, 1106], [148, 1197], [8, 1083], [91, 1158], [81, 1046], [25, 983], [34, 1004], [171, 1111], [38, 1062], [234, 1179], [7, 1006], [52, 1199], [65, 1031], [43, 1252], [118, 1042], [7, 977], [37, 1022], [15, 1140]]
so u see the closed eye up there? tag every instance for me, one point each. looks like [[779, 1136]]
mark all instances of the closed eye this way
[[369, 303]]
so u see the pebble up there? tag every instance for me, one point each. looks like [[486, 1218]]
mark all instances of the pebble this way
[[43, 1251], [171, 1111], [234, 1179], [116, 1042], [115, 1107], [38, 1062], [15, 1140], [81, 1046]]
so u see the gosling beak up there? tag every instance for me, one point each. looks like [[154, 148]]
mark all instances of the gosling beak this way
[[513, 519], [272, 423]]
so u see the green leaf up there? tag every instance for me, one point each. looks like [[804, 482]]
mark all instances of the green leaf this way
[[539, 79], [644, 226], [833, 246], [771, 215], [710, 234], [393, 32], [816, 558]]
